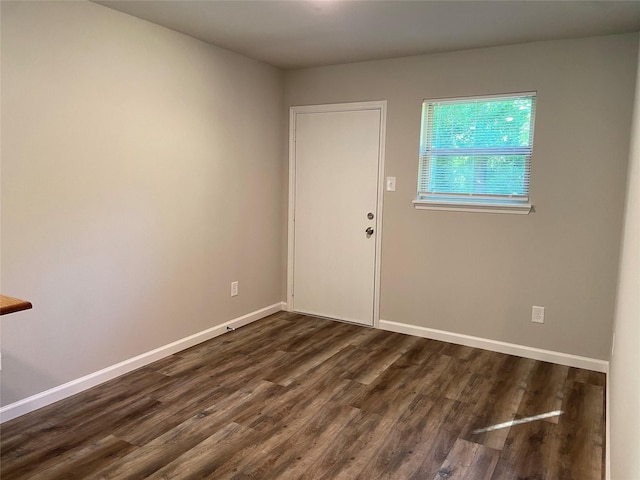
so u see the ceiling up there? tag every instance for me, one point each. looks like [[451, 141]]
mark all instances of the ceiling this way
[[303, 33]]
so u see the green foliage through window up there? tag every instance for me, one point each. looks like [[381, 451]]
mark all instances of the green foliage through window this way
[[477, 147]]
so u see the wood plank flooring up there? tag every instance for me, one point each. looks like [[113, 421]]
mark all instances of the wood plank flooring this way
[[296, 397]]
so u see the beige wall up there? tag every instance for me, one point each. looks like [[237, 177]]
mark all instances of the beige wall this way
[[143, 171], [479, 274], [141, 174], [623, 375]]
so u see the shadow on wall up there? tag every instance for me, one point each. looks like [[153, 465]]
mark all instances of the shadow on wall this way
[[10, 362]]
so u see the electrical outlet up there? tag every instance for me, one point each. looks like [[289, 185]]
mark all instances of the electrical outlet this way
[[537, 314], [234, 288]]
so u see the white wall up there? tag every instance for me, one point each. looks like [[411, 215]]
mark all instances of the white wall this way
[[141, 174], [479, 274], [624, 375]]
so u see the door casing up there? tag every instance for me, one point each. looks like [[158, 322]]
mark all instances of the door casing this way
[[380, 105]]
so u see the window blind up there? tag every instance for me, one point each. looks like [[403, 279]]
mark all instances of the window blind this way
[[477, 147]]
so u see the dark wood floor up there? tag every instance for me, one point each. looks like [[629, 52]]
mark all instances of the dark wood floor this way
[[295, 397]]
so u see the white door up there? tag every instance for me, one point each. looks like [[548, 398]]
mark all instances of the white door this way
[[336, 169]]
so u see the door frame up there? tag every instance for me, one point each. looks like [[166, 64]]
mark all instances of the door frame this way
[[380, 105]]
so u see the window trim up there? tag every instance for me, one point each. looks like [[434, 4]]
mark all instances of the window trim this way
[[478, 205], [510, 204]]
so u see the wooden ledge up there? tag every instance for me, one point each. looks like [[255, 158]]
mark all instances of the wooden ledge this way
[[11, 305]]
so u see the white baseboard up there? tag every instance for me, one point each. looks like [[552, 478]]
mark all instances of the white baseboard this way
[[607, 429], [52, 395], [497, 346]]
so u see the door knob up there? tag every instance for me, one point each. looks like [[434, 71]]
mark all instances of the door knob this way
[[369, 231]]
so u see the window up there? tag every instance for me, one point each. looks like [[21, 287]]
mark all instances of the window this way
[[475, 153]]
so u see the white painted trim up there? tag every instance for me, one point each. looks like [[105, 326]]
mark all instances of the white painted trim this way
[[481, 97], [453, 206], [381, 189], [292, 205], [497, 346], [607, 422], [337, 107], [78, 385]]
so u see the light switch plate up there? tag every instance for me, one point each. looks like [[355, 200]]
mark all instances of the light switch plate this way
[[391, 184]]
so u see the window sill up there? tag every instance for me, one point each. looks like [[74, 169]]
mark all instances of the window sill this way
[[474, 206]]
